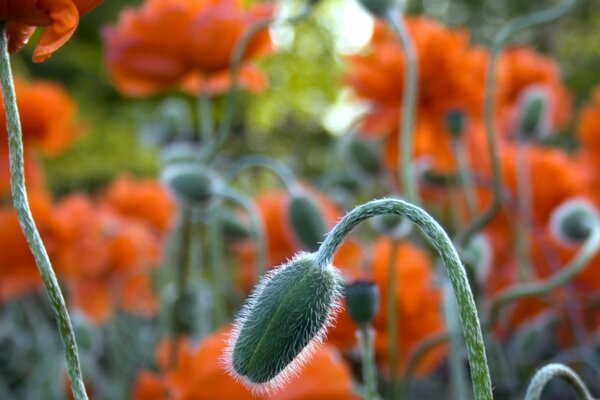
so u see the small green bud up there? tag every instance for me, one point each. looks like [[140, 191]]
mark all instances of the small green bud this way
[[233, 228], [533, 114], [362, 301], [307, 222], [379, 8], [363, 155], [392, 225], [286, 315], [573, 220], [455, 122], [190, 182]]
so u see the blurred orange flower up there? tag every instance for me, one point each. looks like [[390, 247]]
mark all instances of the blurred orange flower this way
[[418, 304], [199, 375], [104, 258], [47, 113], [183, 44], [57, 18], [146, 200]]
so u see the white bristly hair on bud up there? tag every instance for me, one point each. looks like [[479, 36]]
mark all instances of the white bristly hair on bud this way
[[273, 362]]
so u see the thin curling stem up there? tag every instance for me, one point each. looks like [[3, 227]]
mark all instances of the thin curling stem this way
[[366, 336], [285, 174], [551, 371], [409, 102], [490, 83], [587, 251], [258, 231], [21, 205], [482, 388], [234, 68]]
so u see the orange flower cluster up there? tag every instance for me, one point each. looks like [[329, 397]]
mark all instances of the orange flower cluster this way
[[198, 375], [183, 44], [57, 18]]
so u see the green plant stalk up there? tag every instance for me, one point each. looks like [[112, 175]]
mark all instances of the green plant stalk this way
[[409, 103], [464, 175], [587, 251], [21, 205], [551, 371], [524, 221], [234, 66], [257, 231], [205, 113], [366, 336], [196, 245], [285, 174], [217, 263], [391, 320], [482, 388], [421, 349], [500, 40]]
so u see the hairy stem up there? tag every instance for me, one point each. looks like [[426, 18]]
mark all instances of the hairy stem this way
[[551, 371], [21, 205]]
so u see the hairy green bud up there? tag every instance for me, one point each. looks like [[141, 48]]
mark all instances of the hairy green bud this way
[[233, 227], [533, 114], [190, 183], [362, 301], [285, 317], [572, 221], [307, 222]]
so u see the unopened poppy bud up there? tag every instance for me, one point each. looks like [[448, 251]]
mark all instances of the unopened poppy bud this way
[[285, 317], [379, 8], [455, 122], [533, 114], [233, 227], [478, 255], [572, 221], [306, 221], [362, 155], [392, 225], [190, 182], [362, 301]]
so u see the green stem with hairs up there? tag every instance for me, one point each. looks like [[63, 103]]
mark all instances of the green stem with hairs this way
[[21, 205], [551, 371], [587, 251], [366, 336], [234, 66], [409, 103], [500, 40], [482, 388]]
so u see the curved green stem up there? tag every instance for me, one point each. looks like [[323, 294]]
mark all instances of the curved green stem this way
[[234, 67], [551, 371], [490, 82], [480, 375], [366, 336], [258, 231], [21, 205], [409, 103], [587, 251], [285, 174], [421, 349], [391, 320]]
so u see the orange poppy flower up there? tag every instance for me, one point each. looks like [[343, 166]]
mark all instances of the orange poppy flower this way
[[57, 18], [146, 200], [183, 44], [104, 258], [417, 303], [200, 375], [281, 243], [47, 113]]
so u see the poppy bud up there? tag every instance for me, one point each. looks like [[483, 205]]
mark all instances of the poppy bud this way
[[190, 182], [363, 155], [533, 114], [285, 317], [233, 228], [573, 220], [392, 225], [379, 8], [455, 122], [362, 301], [306, 221]]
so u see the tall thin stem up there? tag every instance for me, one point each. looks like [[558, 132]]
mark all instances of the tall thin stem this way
[[489, 106], [409, 102], [480, 375], [366, 337], [21, 205]]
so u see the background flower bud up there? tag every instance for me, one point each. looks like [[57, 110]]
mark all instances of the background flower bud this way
[[233, 227], [455, 122], [533, 114], [363, 155], [362, 301], [572, 221], [306, 221], [190, 183], [284, 318]]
